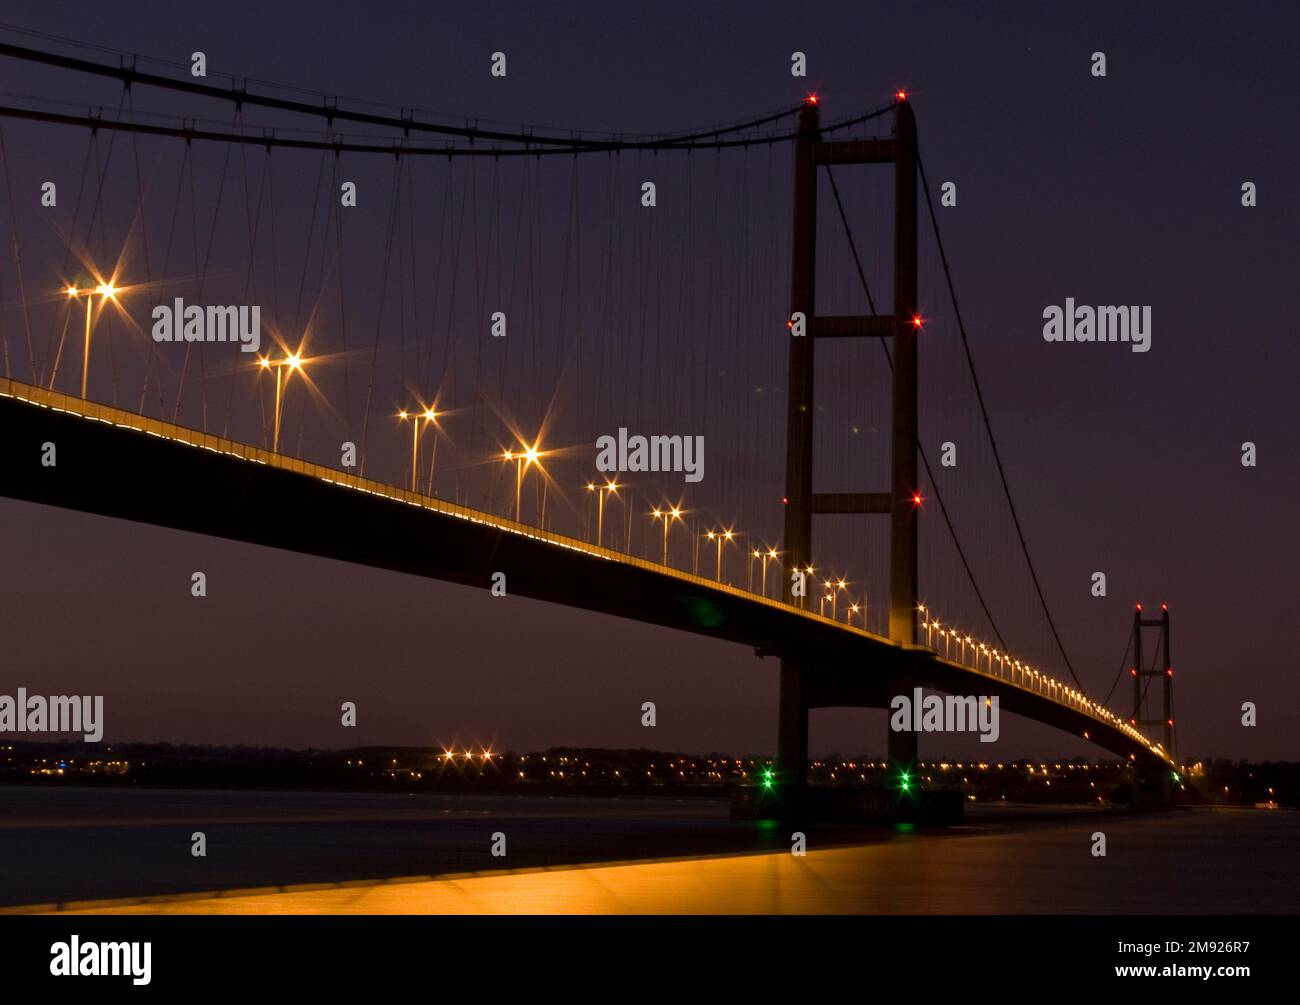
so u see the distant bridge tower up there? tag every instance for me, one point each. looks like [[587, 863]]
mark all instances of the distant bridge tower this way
[[901, 501], [1163, 669]]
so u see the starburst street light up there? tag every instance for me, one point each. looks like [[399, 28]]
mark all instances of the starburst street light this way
[[105, 291], [837, 585], [610, 486], [508, 456], [771, 554], [523, 459], [294, 361], [429, 416], [667, 515], [721, 537], [806, 575]]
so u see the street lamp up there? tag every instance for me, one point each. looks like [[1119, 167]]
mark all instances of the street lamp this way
[[523, 459], [853, 609], [808, 571], [839, 585], [509, 456], [667, 516], [600, 490], [106, 291], [721, 537], [428, 415], [771, 553], [294, 362]]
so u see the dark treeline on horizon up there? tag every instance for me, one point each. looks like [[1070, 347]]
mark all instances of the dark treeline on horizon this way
[[610, 771]]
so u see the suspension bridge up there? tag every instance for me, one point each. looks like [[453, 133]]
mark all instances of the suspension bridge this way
[[504, 321]]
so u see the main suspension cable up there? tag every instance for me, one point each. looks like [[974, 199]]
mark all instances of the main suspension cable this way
[[268, 138], [961, 552], [988, 426]]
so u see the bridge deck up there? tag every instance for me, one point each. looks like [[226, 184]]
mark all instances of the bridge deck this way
[[108, 461]]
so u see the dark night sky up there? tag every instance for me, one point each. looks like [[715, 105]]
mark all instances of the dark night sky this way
[[1117, 190]]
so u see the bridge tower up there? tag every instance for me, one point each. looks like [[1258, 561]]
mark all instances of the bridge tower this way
[[901, 501], [1165, 673]]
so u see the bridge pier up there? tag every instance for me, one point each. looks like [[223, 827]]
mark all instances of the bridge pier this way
[[904, 750], [799, 694], [1153, 785], [792, 732], [903, 746]]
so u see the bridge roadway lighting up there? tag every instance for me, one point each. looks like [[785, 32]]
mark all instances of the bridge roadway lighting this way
[[509, 456], [293, 361], [848, 615], [667, 515], [428, 415], [808, 571], [721, 537], [106, 291], [610, 486], [839, 585], [771, 553], [73, 293], [523, 458]]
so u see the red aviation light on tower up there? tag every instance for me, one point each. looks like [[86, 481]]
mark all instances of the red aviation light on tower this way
[[917, 499], [900, 95], [917, 321], [811, 99]]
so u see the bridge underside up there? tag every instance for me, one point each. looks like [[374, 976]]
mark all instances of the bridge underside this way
[[114, 471]]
